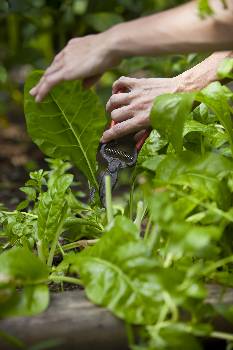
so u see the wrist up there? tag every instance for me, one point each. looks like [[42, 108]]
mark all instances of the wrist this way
[[117, 41], [189, 82]]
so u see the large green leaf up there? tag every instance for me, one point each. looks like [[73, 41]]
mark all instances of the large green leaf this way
[[119, 272], [168, 116], [21, 268], [28, 302], [68, 124], [51, 207]]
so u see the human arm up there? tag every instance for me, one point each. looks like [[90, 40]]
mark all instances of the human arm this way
[[131, 107], [173, 31]]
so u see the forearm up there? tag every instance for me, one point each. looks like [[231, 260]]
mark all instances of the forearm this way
[[178, 30], [203, 73]]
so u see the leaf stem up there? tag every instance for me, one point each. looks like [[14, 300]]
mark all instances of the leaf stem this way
[[108, 199], [204, 205], [81, 243], [221, 335], [66, 279], [148, 227], [61, 249], [218, 264], [140, 214], [56, 236], [131, 201], [40, 250], [16, 212]]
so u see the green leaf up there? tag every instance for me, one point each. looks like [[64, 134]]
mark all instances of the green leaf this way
[[22, 205], [175, 336], [204, 9], [18, 266], [203, 174], [68, 123], [225, 69], [216, 97], [148, 155], [52, 211], [120, 274], [28, 302], [168, 116]]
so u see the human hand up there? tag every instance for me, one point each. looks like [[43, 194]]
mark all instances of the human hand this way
[[82, 58], [130, 108]]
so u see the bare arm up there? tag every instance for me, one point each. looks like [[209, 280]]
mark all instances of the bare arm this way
[[173, 31], [131, 108], [178, 30]]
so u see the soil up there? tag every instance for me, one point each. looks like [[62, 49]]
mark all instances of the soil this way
[[18, 156]]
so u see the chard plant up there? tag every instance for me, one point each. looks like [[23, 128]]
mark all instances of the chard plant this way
[[153, 259]]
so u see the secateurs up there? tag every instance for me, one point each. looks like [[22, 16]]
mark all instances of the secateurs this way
[[116, 155]]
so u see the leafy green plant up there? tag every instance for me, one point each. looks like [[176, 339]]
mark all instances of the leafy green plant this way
[[64, 120], [148, 264]]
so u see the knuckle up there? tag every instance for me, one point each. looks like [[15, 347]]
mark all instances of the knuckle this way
[[71, 41], [122, 78]]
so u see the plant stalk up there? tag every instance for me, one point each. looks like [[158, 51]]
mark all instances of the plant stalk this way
[[66, 279], [56, 237], [108, 199], [140, 214], [81, 243]]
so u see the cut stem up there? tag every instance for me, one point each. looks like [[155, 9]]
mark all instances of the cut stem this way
[[131, 201], [108, 198]]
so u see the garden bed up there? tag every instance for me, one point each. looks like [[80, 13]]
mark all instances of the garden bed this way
[[72, 322]]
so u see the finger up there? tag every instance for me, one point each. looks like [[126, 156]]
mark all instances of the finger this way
[[88, 82], [117, 100], [34, 91], [54, 67], [139, 135], [123, 84], [121, 114], [48, 83], [124, 128]]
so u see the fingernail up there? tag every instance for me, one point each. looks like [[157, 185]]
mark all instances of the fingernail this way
[[32, 91]]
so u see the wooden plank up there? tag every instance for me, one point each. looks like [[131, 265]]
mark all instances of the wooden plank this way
[[75, 323], [72, 321]]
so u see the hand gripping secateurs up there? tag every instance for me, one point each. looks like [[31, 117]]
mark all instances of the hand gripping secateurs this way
[[116, 155]]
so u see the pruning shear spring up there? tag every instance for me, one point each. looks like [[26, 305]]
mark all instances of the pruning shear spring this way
[[115, 155]]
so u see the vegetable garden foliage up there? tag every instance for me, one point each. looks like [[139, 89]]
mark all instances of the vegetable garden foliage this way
[[145, 264]]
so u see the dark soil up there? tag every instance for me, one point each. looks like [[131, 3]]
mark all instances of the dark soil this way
[[18, 156]]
